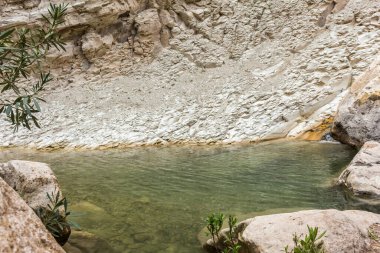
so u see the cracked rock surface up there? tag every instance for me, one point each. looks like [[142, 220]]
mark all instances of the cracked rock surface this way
[[158, 71], [358, 117], [20, 228], [32, 180], [362, 175]]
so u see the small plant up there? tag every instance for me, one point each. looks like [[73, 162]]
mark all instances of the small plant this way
[[232, 240], [372, 234], [308, 245], [214, 227], [54, 217]]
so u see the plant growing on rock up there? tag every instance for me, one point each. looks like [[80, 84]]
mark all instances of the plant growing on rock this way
[[231, 237], [54, 217], [311, 243], [214, 225], [232, 240], [372, 234], [21, 53]]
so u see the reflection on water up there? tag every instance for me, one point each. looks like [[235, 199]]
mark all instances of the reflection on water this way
[[155, 199]]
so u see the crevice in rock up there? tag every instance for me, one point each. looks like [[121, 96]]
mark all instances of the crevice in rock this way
[[323, 18]]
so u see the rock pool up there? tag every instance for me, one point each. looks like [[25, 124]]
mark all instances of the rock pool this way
[[155, 199]]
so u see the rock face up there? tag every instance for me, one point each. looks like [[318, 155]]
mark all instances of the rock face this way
[[362, 176], [32, 180], [347, 231], [358, 117], [21, 230], [156, 71]]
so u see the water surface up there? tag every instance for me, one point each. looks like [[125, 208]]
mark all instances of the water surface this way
[[154, 200]]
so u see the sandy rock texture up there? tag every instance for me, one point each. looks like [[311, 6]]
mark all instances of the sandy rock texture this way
[[201, 71], [358, 117], [362, 175], [375, 240], [346, 231], [32, 181], [21, 230]]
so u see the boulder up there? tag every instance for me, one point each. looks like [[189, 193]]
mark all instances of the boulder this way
[[346, 231], [32, 180], [362, 175], [148, 27], [84, 242], [20, 229], [358, 116], [94, 45]]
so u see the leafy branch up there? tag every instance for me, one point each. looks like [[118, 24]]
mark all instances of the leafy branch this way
[[54, 217], [21, 54], [231, 237]]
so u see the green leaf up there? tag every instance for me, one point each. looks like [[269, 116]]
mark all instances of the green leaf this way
[[6, 34]]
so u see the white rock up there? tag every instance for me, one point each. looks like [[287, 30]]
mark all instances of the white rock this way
[[362, 175], [130, 62], [346, 231], [32, 180]]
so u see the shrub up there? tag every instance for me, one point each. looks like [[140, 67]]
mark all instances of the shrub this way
[[310, 244], [54, 217], [214, 225], [231, 238]]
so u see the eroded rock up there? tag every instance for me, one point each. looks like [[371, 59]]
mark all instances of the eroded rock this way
[[362, 176], [358, 117], [20, 229], [155, 72], [32, 180], [346, 231]]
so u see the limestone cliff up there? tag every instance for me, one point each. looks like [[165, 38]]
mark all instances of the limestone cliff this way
[[157, 71]]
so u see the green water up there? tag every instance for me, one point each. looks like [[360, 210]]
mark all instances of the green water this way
[[155, 199]]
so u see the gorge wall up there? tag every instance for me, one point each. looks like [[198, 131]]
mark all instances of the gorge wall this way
[[200, 71]]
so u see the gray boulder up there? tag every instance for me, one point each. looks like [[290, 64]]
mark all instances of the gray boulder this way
[[362, 175], [358, 116]]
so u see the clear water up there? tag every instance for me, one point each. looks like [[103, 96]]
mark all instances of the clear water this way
[[149, 200]]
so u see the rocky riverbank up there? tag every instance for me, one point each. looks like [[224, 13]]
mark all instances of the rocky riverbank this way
[[346, 231], [156, 72], [362, 176], [20, 228], [207, 71]]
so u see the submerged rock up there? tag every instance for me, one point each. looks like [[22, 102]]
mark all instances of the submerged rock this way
[[84, 242], [358, 117], [346, 231], [20, 229], [32, 180], [362, 175]]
